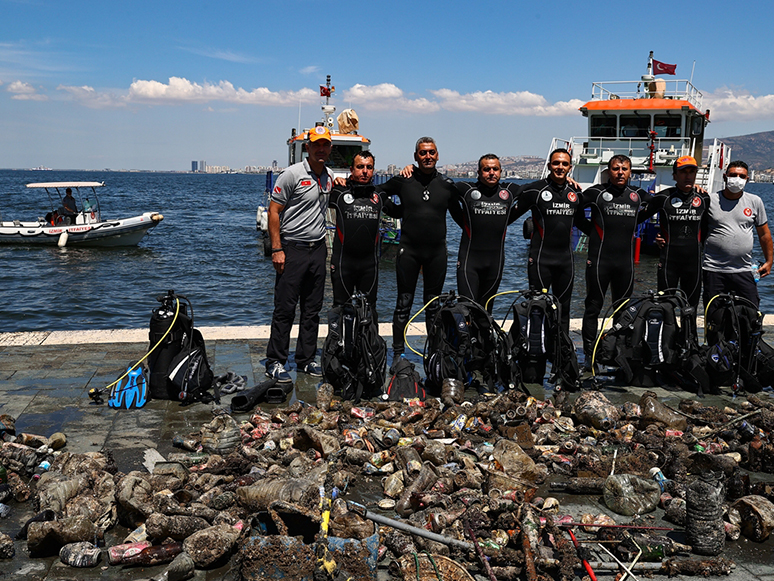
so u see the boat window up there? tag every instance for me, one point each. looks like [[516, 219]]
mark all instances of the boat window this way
[[668, 125], [697, 126], [342, 155], [603, 126], [634, 125]]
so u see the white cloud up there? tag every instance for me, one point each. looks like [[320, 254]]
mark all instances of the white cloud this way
[[731, 105], [521, 103], [93, 99], [310, 70], [25, 92], [387, 96], [181, 90]]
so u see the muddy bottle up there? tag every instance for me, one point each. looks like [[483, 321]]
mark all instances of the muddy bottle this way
[[3, 475], [704, 515], [155, 555], [186, 444]]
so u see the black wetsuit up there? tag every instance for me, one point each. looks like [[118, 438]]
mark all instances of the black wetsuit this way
[[424, 200], [486, 213], [555, 210], [683, 221], [615, 213], [355, 258]]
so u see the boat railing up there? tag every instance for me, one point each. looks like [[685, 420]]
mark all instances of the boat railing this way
[[679, 89], [599, 150]]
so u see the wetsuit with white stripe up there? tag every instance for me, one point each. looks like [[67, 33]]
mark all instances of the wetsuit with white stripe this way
[[555, 209], [355, 257], [486, 213], [683, 221], [615, 213], [424, 201]]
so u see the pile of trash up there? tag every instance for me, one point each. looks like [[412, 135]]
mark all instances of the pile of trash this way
[[424, 489]]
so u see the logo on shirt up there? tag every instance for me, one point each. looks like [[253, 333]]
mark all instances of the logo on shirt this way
[[571, 196], [546, 195], [696, 202], [375, 198], [348, 199], [503, 194], [748, 212], [475, 194], [277, 189], [607, 196], [634, 197], [306, 183], [676, 202]]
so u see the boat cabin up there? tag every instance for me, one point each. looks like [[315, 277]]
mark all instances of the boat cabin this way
[[654, 122], [345, 148]]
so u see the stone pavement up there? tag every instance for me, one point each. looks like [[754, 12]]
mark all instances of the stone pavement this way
[[44, 383]]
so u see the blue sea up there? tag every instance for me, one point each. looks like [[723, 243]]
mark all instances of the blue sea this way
[[207, 248]]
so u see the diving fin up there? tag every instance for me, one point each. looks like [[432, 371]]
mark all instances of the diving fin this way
[[131, 391], [245, 401]]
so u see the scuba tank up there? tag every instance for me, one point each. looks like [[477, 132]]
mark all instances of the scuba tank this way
[[176, 334]]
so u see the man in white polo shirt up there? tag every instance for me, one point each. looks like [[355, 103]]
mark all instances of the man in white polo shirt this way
[[733, 216], [297, 209]]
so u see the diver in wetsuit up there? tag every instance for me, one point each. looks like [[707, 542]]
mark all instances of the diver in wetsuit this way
[[355, 257], [615, 213], [683, 217], [556, 207], [424, 198], [486, 214]]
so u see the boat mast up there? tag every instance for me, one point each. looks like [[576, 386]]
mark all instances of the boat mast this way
[[328, 109]]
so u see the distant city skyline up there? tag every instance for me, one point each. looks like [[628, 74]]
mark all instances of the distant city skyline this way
[[153, 86]]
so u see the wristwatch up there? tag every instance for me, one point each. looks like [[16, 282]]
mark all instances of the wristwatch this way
[[273, 250]]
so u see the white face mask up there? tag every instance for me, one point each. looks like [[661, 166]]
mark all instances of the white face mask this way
[[735, 184]]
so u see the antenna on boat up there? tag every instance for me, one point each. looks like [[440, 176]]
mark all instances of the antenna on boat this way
[[328, 109]]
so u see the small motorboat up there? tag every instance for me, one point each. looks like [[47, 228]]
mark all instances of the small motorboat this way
[[85, 227]]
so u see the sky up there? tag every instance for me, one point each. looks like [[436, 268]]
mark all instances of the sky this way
[[155, 85]]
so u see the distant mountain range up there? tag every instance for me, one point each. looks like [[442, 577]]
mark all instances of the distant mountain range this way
[[757, 149]]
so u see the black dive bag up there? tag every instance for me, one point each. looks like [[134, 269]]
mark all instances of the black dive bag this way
[[654, 338], [463, 338], [537, 336], [179, 368], [736, 353], [354, 355]]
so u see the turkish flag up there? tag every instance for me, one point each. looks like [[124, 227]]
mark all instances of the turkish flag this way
[[660, 68], [326, 92]]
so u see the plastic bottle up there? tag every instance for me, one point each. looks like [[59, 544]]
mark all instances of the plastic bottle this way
[[3, 475], [186, 444], [704, 515], [756, 275], [42, 467]]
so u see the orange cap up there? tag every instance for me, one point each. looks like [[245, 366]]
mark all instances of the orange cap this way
[[685, 161], [319, 132]]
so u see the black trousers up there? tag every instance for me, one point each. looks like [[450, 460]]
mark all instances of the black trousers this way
[[408, 264], [302, 282], [740, 283]]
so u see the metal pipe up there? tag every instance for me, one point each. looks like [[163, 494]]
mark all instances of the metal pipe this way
[[390, 522]]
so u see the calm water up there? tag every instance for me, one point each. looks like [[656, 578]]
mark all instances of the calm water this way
[[206, 248]]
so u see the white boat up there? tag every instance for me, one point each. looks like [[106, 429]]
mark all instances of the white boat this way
[[652, 120], [86, 228], [346, 144]]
